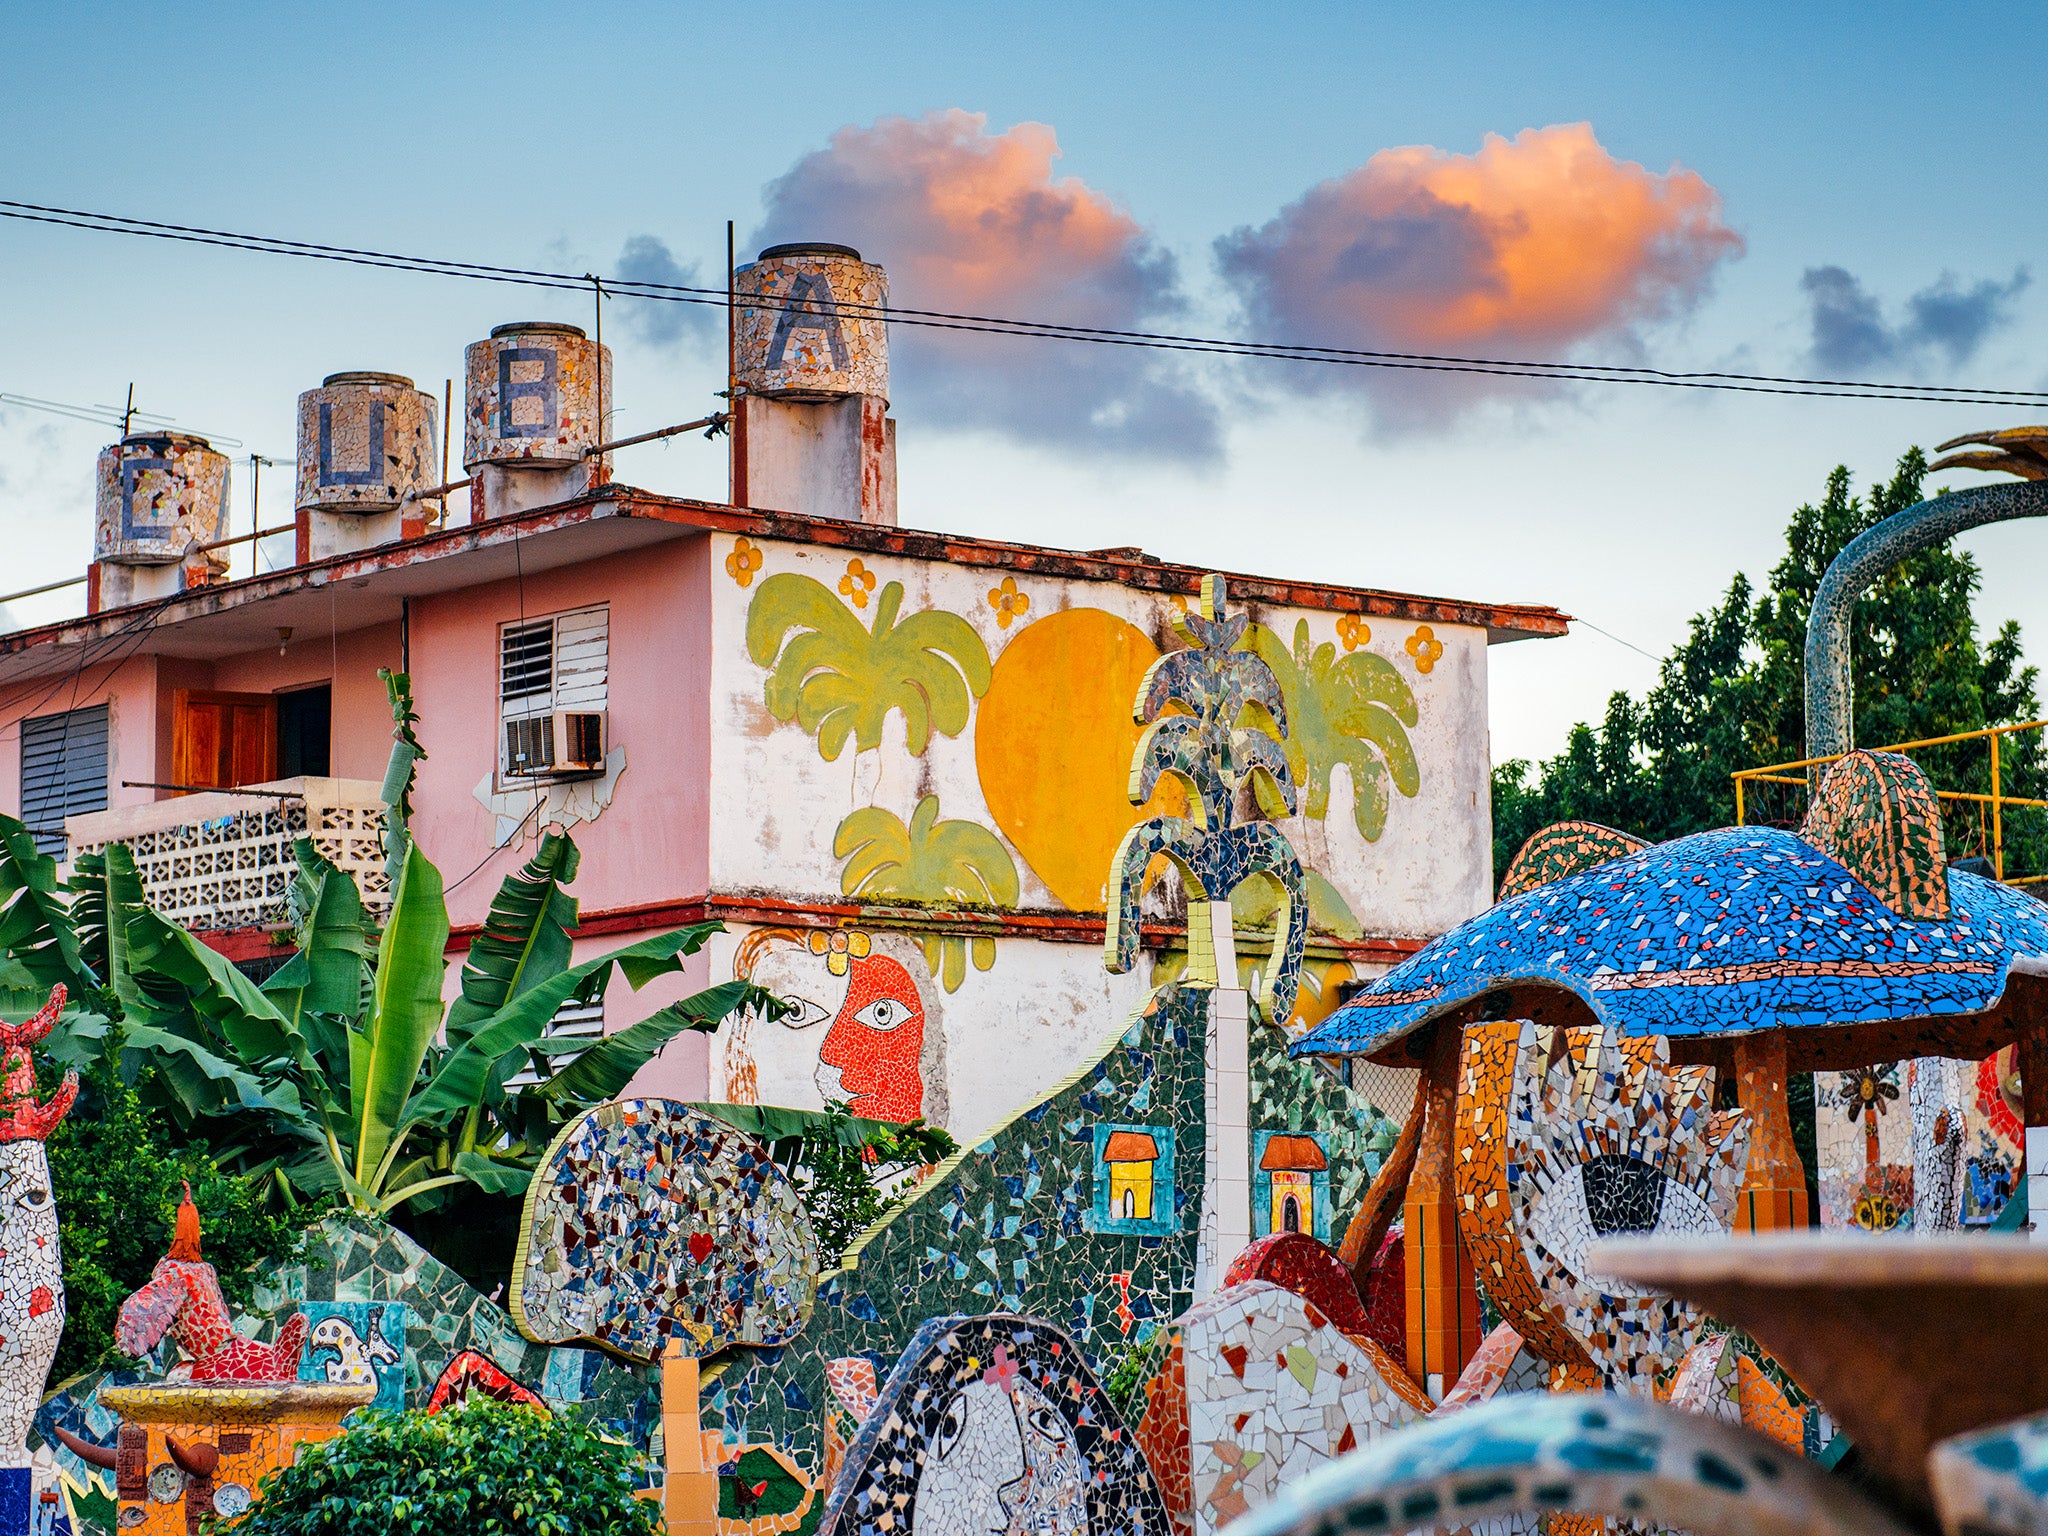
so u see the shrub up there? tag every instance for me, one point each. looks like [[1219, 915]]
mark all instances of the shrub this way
[[485, 1469], [117, 1176]]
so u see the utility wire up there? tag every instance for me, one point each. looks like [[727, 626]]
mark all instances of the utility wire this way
[[1772, 384]]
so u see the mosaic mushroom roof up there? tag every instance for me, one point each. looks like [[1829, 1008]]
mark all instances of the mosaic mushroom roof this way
[[1723, 932]]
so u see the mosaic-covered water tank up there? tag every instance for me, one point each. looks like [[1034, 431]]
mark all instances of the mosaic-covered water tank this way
[[365, 439], [157, 493], [532, 395], [810, 323]]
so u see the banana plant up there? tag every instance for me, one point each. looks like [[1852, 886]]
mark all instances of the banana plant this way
[[343, 1073]]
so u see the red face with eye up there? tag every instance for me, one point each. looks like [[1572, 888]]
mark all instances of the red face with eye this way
[[871, 1053]]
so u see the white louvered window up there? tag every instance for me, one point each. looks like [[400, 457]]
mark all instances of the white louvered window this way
[[551, 695], [572, 1021], [63, 772]]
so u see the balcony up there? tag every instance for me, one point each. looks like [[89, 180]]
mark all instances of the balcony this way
[[223, 859]]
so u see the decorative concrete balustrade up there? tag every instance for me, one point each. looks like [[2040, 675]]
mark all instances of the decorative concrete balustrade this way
[[223, 858]]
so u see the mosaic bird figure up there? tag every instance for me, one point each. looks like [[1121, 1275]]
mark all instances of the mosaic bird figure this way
[[183, 1299], [2021, 451]]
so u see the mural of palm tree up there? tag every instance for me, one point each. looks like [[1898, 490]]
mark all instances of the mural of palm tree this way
[[1355, 710], [929, 863], [839, 679]]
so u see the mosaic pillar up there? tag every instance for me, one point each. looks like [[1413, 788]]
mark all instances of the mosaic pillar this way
[[1443, 1307], [689, 1493], [1773, 1196], [1229, 1093]]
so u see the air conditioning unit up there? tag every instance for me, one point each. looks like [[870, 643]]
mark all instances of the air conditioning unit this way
[[529, 747], [579, 741]]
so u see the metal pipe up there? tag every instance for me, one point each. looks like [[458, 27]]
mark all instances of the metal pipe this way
[[48, 586], [248, 538], [1830, 699], [716, 421], [215, 789]]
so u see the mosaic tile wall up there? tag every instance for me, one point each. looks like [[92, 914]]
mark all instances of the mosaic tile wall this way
[[1305, 1098], [1005, 1225]]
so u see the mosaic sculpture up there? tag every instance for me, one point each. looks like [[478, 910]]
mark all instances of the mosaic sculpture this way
[[993, 1424], [1620, 1458], [1226, 745], [183, 1299], [649, 1221], [1570, 1135], [1848, 944], [32, 1283], [1274, 1390]]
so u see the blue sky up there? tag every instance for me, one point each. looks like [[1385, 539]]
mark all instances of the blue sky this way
[[1891, 142]]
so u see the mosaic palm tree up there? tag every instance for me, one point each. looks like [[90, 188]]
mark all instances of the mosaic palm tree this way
[[1216, 720]]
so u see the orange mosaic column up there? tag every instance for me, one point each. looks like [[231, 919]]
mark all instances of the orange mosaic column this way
[[1773, 1196], [1443, 1307]]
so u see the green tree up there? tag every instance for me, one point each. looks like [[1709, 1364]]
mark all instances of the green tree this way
[[1732, 695], [839, 679]]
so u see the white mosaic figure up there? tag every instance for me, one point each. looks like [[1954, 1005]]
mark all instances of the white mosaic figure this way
[[31, 1262]]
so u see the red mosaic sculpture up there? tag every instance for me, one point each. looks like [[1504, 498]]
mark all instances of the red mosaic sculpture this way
[[183, 1299], [21, 1117]]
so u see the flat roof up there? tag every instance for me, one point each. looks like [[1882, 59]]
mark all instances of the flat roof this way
[[370, 586]]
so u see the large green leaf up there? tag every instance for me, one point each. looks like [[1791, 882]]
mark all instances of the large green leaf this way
[[35, 923], [88, 887], [326, 975], [524, 940], [169, 980], [460, 1080], [602, 1070], [491, 1175], [405, 1011]]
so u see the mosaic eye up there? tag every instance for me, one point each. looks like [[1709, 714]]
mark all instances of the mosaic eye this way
[[804, 1013], [883, 1013], [1045, 1422], [950, 1426], [34, 1199]]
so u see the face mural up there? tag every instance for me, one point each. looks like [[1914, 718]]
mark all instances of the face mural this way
[[993, 1426], [865, 1026], [872, 1053]]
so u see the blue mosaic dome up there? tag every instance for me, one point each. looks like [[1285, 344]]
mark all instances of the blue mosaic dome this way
[[1721, 933]]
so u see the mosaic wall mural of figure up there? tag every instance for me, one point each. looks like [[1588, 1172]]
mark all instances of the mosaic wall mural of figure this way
[[993, 1426], [867, 1027]]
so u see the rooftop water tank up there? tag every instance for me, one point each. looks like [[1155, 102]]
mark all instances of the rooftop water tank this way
[[810, 324], [365, 439], [531, 395], [156, 494]]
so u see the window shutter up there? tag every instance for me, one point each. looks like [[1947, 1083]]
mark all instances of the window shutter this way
[[526, 663], [582, 657], [63, 772]]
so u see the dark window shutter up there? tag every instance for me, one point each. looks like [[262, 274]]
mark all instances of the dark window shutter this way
[[63, 772]]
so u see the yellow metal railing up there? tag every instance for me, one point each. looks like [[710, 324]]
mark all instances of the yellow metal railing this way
[[1989, 806]]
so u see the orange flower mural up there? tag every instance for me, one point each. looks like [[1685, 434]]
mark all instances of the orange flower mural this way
[[1424, 646], [1008, 602], [857, 583], [745, 559]]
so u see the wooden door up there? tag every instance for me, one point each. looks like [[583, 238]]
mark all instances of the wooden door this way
[[221, 740]]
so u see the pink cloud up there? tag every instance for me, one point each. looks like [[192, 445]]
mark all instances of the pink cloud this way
[[1542, 246], [975, 222]]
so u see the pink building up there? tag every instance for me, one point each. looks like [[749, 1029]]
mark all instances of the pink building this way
[[891, 761]]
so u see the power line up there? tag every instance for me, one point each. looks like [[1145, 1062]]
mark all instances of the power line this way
[[1593, 373]]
